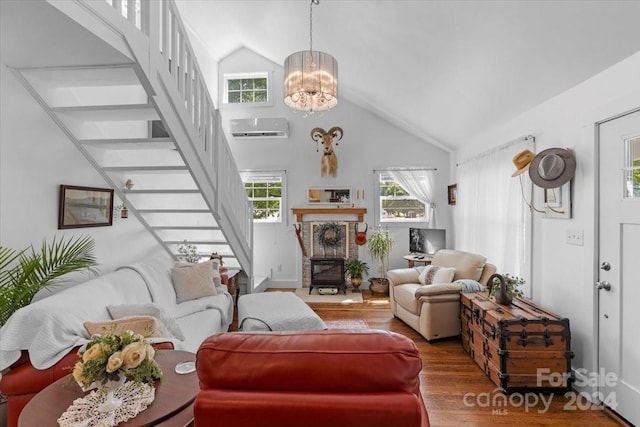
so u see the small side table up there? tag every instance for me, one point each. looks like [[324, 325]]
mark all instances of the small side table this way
[[412, 259]]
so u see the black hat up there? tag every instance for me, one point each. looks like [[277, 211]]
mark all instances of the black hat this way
[[552, 168]]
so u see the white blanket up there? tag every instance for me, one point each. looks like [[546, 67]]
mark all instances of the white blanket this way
[[49, 328], [468, 285], [157, 277], [278, 311]]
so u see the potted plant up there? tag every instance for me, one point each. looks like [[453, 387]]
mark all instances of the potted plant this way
[[188, 252], [355, 269], [502, 288], [380, 245], [23, 274]]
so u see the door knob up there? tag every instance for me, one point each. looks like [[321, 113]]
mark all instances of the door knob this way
[[605, 266], [603, 285]]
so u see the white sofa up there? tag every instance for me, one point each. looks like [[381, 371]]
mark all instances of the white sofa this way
[[49, 328], [38, 344]]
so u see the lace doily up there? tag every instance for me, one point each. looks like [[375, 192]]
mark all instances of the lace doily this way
[[83, 412]]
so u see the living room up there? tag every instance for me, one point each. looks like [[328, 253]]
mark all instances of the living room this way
[[36, 157]]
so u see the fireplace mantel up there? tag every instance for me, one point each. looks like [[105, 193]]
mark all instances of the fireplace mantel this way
[[300, 212]]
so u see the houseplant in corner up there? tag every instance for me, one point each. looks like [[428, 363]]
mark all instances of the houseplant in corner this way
[[355, 269], [380, 245], [24, 273]]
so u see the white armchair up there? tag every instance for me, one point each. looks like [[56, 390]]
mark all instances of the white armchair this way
[[434, 310]]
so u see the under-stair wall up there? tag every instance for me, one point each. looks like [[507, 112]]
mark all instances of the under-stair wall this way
[[186, 185]]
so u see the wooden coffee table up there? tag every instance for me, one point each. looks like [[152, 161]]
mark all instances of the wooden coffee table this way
[[172, 406]]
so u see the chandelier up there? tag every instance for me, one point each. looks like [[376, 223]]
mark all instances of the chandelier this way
[[311, 77]]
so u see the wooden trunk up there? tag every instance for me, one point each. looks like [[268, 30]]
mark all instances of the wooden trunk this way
[[521, 347]]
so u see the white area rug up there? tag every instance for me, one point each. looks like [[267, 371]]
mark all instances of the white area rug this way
[[339, 298]]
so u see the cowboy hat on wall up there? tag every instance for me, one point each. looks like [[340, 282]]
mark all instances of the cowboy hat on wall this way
[[551, 170]]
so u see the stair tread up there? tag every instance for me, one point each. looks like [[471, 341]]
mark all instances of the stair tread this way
[[184, 227], [124, 140], [173, 210], [100, 107], [130, 143], [198, 242], [165, 191], [145, 168]]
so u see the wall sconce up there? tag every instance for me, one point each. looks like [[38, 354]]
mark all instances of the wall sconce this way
[[124, 211]]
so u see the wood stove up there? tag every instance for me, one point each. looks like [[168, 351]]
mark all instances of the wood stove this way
[[327, 273]]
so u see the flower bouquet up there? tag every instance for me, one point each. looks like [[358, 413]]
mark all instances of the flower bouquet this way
[[106, 363], [114, 357]]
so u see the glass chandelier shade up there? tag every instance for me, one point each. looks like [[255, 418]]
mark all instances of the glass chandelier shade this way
[[311, 77], [311, 81]]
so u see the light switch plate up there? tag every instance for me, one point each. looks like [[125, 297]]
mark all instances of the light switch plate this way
[[575, 237]]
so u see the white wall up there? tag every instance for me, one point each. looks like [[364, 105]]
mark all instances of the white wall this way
[[564, 275], [35, 158], [369, 142]]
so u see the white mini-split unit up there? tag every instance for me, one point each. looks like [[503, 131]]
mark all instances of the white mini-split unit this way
[[259, 128]]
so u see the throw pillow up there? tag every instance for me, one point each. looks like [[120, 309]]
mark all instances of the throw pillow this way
[[435, 274], [147, 326], [217, 280], [126, 310], [193, 281]]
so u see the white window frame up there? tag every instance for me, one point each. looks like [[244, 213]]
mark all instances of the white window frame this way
[[379, 176], [268, 176], [256, 75]]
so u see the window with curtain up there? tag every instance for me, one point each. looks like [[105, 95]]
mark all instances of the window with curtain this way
[[406, 195], [490, 217], [266, 192]]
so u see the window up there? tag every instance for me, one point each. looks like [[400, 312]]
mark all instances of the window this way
[[396, 204], [246, 88], [266, 191], [632, 170]]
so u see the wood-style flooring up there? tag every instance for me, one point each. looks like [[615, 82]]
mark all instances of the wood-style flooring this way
[[456, 391]]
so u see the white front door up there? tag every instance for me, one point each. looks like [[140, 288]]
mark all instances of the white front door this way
[[618, 285]]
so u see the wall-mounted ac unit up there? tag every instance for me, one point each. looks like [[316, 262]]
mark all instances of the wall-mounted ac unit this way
[[260, 128]]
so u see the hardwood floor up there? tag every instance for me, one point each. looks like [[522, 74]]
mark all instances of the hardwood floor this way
[[456, 391]]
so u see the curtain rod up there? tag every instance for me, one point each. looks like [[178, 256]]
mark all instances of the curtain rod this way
[[405, 169], [499, 148]]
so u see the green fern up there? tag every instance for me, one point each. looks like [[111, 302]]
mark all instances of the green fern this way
[[24, 273]]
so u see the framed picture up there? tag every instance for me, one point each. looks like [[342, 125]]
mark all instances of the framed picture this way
[[452, 193], [557, 202], [85, 207]]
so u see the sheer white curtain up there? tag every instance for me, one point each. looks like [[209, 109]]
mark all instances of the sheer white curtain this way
[[418, 183], [490, 215]]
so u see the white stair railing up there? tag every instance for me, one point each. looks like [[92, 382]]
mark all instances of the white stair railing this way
[[157, 39]]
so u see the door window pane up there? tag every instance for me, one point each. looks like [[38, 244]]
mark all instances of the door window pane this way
[[632, 169]]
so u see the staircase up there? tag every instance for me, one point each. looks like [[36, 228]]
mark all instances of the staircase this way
[[151, 122]]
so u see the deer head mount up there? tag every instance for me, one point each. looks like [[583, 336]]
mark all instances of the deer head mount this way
[[329, 160]]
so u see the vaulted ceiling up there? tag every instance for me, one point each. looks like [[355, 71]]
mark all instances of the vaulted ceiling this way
[[443, 70]]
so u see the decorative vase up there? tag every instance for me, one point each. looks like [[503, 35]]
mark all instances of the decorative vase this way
[[502, 297], [379, 286], [111, 402], [356, 282]]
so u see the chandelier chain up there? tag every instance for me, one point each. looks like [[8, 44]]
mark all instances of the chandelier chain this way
[[311, 3]]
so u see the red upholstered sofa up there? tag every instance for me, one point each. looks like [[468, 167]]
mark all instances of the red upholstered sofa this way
[[334, 378]]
